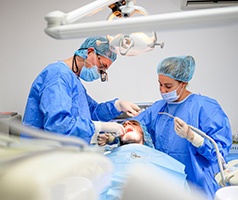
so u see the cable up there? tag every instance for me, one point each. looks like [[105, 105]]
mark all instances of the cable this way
[[217, 152], [220, 159]]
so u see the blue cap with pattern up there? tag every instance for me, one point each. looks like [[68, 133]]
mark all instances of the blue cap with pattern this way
[[147, 138], [179, 68], [100, 45]]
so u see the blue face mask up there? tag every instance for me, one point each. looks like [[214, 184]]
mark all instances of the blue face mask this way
[[89, 74], [171, 96]]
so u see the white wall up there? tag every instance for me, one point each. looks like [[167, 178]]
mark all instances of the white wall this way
[[26, 50]]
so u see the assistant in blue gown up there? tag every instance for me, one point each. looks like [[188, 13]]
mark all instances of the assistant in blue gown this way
[[200, 111]]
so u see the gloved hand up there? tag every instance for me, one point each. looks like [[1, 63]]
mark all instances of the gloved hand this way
[[106, 138], [183, 130], [129, 108], [111, 127]]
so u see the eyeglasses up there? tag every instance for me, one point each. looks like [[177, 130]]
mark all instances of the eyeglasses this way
[[102, 71]]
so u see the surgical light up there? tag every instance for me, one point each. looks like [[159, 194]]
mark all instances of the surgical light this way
[[134, 43], [62, 26]]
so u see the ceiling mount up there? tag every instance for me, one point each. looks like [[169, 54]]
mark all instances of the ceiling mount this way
[[201, 4], [116, 8]]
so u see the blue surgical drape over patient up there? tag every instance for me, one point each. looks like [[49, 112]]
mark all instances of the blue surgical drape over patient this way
[[130, 156], [58, 102]]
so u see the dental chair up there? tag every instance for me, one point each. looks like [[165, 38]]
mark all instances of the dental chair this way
[[51, 167]]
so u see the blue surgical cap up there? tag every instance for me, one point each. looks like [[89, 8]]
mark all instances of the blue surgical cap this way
[[100, 45], [147, 138], [179, 68]]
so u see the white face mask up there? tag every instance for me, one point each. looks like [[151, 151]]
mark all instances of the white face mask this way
[[171, 96]]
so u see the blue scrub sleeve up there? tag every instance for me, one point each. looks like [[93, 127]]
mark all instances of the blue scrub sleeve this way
[[218, 128], [105, 111], [59, 114]]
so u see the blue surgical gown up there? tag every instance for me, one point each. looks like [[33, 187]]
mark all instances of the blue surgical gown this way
[[203, 113], [130, 156], [58, 102]]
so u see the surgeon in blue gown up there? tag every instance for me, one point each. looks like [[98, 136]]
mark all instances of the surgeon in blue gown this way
[[173, 136], [58, 101]]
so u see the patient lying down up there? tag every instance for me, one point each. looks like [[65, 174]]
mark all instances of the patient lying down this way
[[133, 149], [134, 133]]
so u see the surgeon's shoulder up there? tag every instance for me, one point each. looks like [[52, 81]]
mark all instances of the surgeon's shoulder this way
[[204, 100], [57, 68], [158, 103]]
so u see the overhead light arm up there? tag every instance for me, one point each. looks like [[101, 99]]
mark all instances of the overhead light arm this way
[[59, 29], [66, 25], [58, 18], [62, 26]]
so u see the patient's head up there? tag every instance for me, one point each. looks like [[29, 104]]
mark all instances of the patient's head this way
[[134, 133]]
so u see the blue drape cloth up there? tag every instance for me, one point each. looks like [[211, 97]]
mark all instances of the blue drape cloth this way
[[128, 156]]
